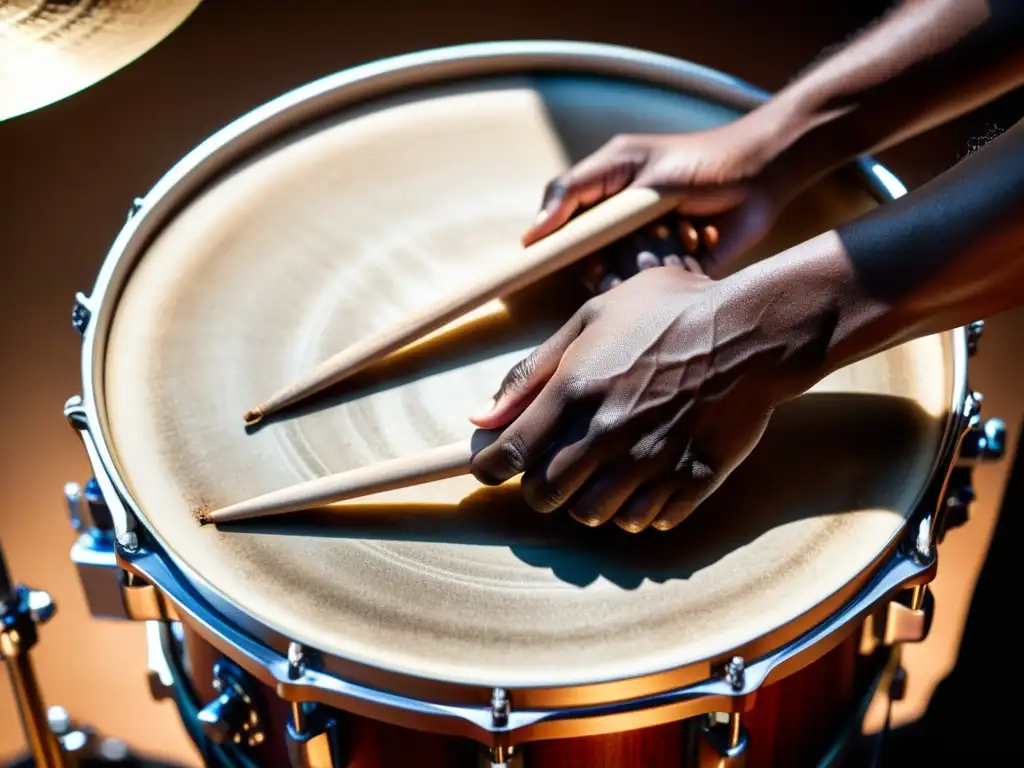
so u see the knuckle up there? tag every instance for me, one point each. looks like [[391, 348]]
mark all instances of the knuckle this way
[[513, 451]]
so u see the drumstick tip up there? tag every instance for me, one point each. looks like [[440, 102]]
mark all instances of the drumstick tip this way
[[253, 415], [202, 515]]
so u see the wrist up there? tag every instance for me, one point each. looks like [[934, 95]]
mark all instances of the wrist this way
[[810, 315]]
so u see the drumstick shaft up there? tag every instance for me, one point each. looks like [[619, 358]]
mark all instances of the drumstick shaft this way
[[605, 223], [436, 464]]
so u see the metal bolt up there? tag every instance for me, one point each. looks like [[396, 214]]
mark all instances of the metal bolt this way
[[75, 413], [972, 405], [129, 542], [500, 707], [735, 673], [40, 606], [73, 495], [974, 331], [296, 661], [136, 206], [80, 313], [58, 719]]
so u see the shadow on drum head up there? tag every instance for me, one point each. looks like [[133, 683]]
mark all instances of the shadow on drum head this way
[[822, 454], [519, 322]]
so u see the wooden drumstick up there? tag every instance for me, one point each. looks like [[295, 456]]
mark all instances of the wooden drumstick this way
[[590, 231], [436, 464]]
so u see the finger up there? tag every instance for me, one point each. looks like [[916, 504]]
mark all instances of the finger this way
[[672, 260], [693, 265], [644, 505], [594, 179], [605, 492], [709, 235], [527, 377], [646, 260], [699, 481], [523, 442], [564, 468], [609, 282], [688, 233]]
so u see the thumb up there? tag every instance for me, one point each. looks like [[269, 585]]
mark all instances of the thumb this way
[[527, 377]]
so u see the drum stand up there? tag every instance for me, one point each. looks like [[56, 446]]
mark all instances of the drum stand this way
[[54, 739]]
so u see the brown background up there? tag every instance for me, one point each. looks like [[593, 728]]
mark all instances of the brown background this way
[[68, 173]]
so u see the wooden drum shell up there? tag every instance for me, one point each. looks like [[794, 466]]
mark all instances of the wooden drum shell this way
[[791, 725]]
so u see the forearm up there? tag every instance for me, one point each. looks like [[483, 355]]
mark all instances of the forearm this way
[[924, 64], [937, 258]]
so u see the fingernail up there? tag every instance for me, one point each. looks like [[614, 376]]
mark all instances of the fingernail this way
[[662, 525], [542, 216], [608, 283], [710, 236], [484, 411], [689, 235], [672, 261], [693, 265], [628, 525], [661, 232], [646, 260], [587, 520]]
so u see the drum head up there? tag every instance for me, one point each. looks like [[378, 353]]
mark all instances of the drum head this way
[[329, 233]]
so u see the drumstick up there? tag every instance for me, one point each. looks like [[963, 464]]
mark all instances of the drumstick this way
[[590, 231], [436, 464]]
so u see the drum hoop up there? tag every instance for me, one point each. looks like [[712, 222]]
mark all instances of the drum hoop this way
[[344, 90]]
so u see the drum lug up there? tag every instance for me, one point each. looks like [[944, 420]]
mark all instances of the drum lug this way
[[905, 619], [984, 442], [110, 591], [501, 757], [314, 738], [234, 715], [722, 741], [115, 516]]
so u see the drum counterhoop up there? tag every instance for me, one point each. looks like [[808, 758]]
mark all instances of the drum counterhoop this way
[[489, 692]]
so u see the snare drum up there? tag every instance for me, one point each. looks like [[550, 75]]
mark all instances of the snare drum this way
[[447, 624]]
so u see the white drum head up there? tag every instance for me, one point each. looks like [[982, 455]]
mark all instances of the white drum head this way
[[335, 231]]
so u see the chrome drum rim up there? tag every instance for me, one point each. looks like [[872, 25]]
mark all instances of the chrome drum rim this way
[[299, 107]]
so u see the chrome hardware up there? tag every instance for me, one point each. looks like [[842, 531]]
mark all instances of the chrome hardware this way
[[974, 331], [959, 497], [232, 716], [314, 738], [158, 671], [722, 741], [735, 674], [898, 684], [73, 496], [135, 207], [74, 412], [500, 707], [501, 757], [80, 313], [22, 611], [296, 661], [986, 442]]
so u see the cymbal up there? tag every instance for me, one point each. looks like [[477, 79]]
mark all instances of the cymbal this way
[[51, 49]]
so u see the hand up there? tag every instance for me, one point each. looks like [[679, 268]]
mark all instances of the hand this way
[[640, 406], [727, 199]]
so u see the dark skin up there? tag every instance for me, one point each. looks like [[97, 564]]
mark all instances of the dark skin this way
[[644, 403], [924, 64]]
